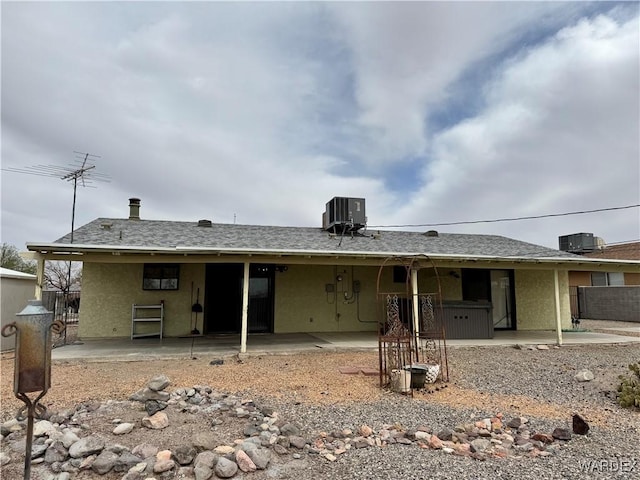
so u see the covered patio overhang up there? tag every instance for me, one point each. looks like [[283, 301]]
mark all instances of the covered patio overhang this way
[[246, 256]]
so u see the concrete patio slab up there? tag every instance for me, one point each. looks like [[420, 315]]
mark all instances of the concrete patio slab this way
[[265, 344]]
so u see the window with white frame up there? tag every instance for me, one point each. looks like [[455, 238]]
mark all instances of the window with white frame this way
[[607, 279]]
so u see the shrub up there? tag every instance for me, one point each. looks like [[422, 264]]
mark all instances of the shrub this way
[[629, 388]]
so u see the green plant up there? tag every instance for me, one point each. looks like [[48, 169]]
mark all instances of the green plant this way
[[629, 388]]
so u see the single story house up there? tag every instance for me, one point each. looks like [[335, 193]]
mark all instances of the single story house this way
[[16, 289], [178, 278]]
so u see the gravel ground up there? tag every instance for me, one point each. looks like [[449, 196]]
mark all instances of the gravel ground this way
[[308, 390]]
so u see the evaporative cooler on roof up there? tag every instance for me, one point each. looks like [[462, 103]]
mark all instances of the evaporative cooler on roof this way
[[344, 214]]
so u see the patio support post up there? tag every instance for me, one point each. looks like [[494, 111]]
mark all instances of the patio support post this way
[[414, 298], [245, 309], [556, 286], [39, 277]]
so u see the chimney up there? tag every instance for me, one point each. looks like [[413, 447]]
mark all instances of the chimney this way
[[134, 209]]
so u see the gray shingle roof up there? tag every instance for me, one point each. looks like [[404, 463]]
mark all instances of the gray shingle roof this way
[[125, 233]]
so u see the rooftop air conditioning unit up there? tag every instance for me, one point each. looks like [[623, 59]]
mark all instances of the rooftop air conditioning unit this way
[[344, 214], [578, 243]]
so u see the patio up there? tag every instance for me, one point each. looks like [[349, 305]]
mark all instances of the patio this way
[[264, 344]]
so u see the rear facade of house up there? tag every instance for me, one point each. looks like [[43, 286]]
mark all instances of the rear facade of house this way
[[340, 277]]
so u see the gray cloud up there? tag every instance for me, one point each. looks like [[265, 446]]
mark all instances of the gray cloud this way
[[266, 111]]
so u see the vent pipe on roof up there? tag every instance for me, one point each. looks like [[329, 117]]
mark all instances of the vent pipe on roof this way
[[134, 209]]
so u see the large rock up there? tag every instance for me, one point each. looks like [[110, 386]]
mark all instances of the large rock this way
[[104, 462], [10, 426], [207, 459], [123, 428], [480, 445], [225, 468], [162, 466], [153, 406], [145, 450], [260, 457], [204, 441], [244, 462], [224, 449], [157, 421], [125, 461], [297, 441], [148, 394], [184, 454], [580, 425], [517, 422], [561, 434], [445, 434], [56, 453], [86, 446], [289, 429], [69, 438], [43, 427], [158, 383]]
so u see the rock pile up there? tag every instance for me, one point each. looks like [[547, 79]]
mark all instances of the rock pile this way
[[61, 444]]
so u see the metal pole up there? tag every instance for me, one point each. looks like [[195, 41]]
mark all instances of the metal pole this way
[[416, 321], [245, 309], [556, 286], [67, 290]]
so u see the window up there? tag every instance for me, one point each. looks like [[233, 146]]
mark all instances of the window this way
[[615, 278], [604, 279], [161, 276], [476, 284], [400, 274]]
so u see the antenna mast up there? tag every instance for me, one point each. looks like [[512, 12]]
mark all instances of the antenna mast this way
[[81, 169]]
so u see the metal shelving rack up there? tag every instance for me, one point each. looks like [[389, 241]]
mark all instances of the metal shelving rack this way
[[147, 314]]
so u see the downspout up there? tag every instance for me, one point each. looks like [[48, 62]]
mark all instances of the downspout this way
[[414, 299], [245, 309], [556, 285]]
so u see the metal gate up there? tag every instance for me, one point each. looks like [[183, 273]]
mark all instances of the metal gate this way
[[402, 339], [574, 300]]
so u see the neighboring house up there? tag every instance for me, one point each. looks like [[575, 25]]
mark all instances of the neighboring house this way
[[253, 278], [620, 251], [604, 294], [586, 245], [16, 289]]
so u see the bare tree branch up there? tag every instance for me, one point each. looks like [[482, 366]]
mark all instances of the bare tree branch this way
[[56, 275]]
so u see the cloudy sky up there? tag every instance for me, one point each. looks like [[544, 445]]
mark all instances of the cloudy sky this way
[[262, 112]]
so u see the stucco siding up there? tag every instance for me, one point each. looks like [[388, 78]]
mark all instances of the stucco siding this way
[[450, 282], [302, 303], [535, 299], [109, 291]]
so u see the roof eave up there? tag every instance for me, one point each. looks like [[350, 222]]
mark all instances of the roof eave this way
[[58, 248]]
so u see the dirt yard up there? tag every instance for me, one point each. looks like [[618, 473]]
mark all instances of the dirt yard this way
[[537, 384]]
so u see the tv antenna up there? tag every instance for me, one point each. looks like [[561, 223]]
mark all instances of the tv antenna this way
[[82, 170]]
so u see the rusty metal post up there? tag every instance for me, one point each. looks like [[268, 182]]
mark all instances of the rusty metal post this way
[[32, 366]]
